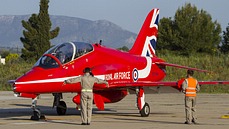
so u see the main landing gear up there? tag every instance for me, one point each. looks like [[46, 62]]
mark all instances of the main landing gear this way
[[144, 108], [61, 106]]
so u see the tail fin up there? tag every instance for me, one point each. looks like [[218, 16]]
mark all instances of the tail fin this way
[[145, 43]]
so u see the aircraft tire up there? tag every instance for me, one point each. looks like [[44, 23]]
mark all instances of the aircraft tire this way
[[145, 110], [61, 108], [35, 116]]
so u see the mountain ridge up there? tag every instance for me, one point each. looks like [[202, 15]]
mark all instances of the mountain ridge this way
[[71, 29]]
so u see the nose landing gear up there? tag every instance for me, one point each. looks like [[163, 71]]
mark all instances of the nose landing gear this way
[[61, 107], [36, 111]]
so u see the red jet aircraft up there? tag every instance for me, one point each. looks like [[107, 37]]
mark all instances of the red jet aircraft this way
[[124, 71]]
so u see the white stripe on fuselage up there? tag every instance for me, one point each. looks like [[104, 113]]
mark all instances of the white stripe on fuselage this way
[[46, 80], [146, 71], [143, 73], [55, 80]]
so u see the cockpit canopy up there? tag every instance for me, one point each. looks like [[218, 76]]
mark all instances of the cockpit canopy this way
[[65, 53]]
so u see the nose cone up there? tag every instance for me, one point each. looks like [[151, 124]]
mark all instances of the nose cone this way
[[39, 80], [29, 81], [21, 81]]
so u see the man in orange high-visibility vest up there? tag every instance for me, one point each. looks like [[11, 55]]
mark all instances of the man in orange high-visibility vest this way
[[189, 87]]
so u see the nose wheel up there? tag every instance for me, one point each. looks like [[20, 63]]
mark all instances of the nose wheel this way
[[36, 111], [37, 115]]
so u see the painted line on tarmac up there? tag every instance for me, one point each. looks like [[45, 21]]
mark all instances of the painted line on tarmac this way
[[225, 117]]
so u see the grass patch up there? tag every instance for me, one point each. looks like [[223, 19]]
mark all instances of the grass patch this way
[[12, 71], [218, 65]]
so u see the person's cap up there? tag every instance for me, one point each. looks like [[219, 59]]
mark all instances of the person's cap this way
[[87, 70], [190, 72]]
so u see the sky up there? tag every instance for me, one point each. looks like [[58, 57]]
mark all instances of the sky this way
[[129, 14]]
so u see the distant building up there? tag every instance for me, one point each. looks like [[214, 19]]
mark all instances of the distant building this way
[[2, 60]]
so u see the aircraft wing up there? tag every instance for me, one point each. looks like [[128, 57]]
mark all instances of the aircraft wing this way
[[148, 84], [175, 84]]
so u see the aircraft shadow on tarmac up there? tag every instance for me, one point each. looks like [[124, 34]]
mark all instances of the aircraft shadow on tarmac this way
[[25, 110]]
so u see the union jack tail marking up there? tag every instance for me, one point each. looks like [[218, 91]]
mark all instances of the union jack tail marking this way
[[145, 44]]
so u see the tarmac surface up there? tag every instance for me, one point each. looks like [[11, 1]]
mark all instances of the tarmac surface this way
[[167, 112]]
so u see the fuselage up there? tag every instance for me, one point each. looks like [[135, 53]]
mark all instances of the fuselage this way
[[67, 60]]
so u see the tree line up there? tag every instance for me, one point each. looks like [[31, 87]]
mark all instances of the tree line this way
[[192, 31]]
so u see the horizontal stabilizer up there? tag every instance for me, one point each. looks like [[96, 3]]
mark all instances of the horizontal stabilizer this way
[[213, 82], [180, 66]]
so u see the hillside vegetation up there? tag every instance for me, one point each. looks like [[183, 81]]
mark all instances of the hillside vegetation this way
[[217, 65], [11, 71]]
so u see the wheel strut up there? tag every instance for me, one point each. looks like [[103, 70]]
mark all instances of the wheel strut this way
[[143, 107], [36, 111]]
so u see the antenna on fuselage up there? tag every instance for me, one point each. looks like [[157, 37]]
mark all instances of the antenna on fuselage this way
[[100, 42]]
